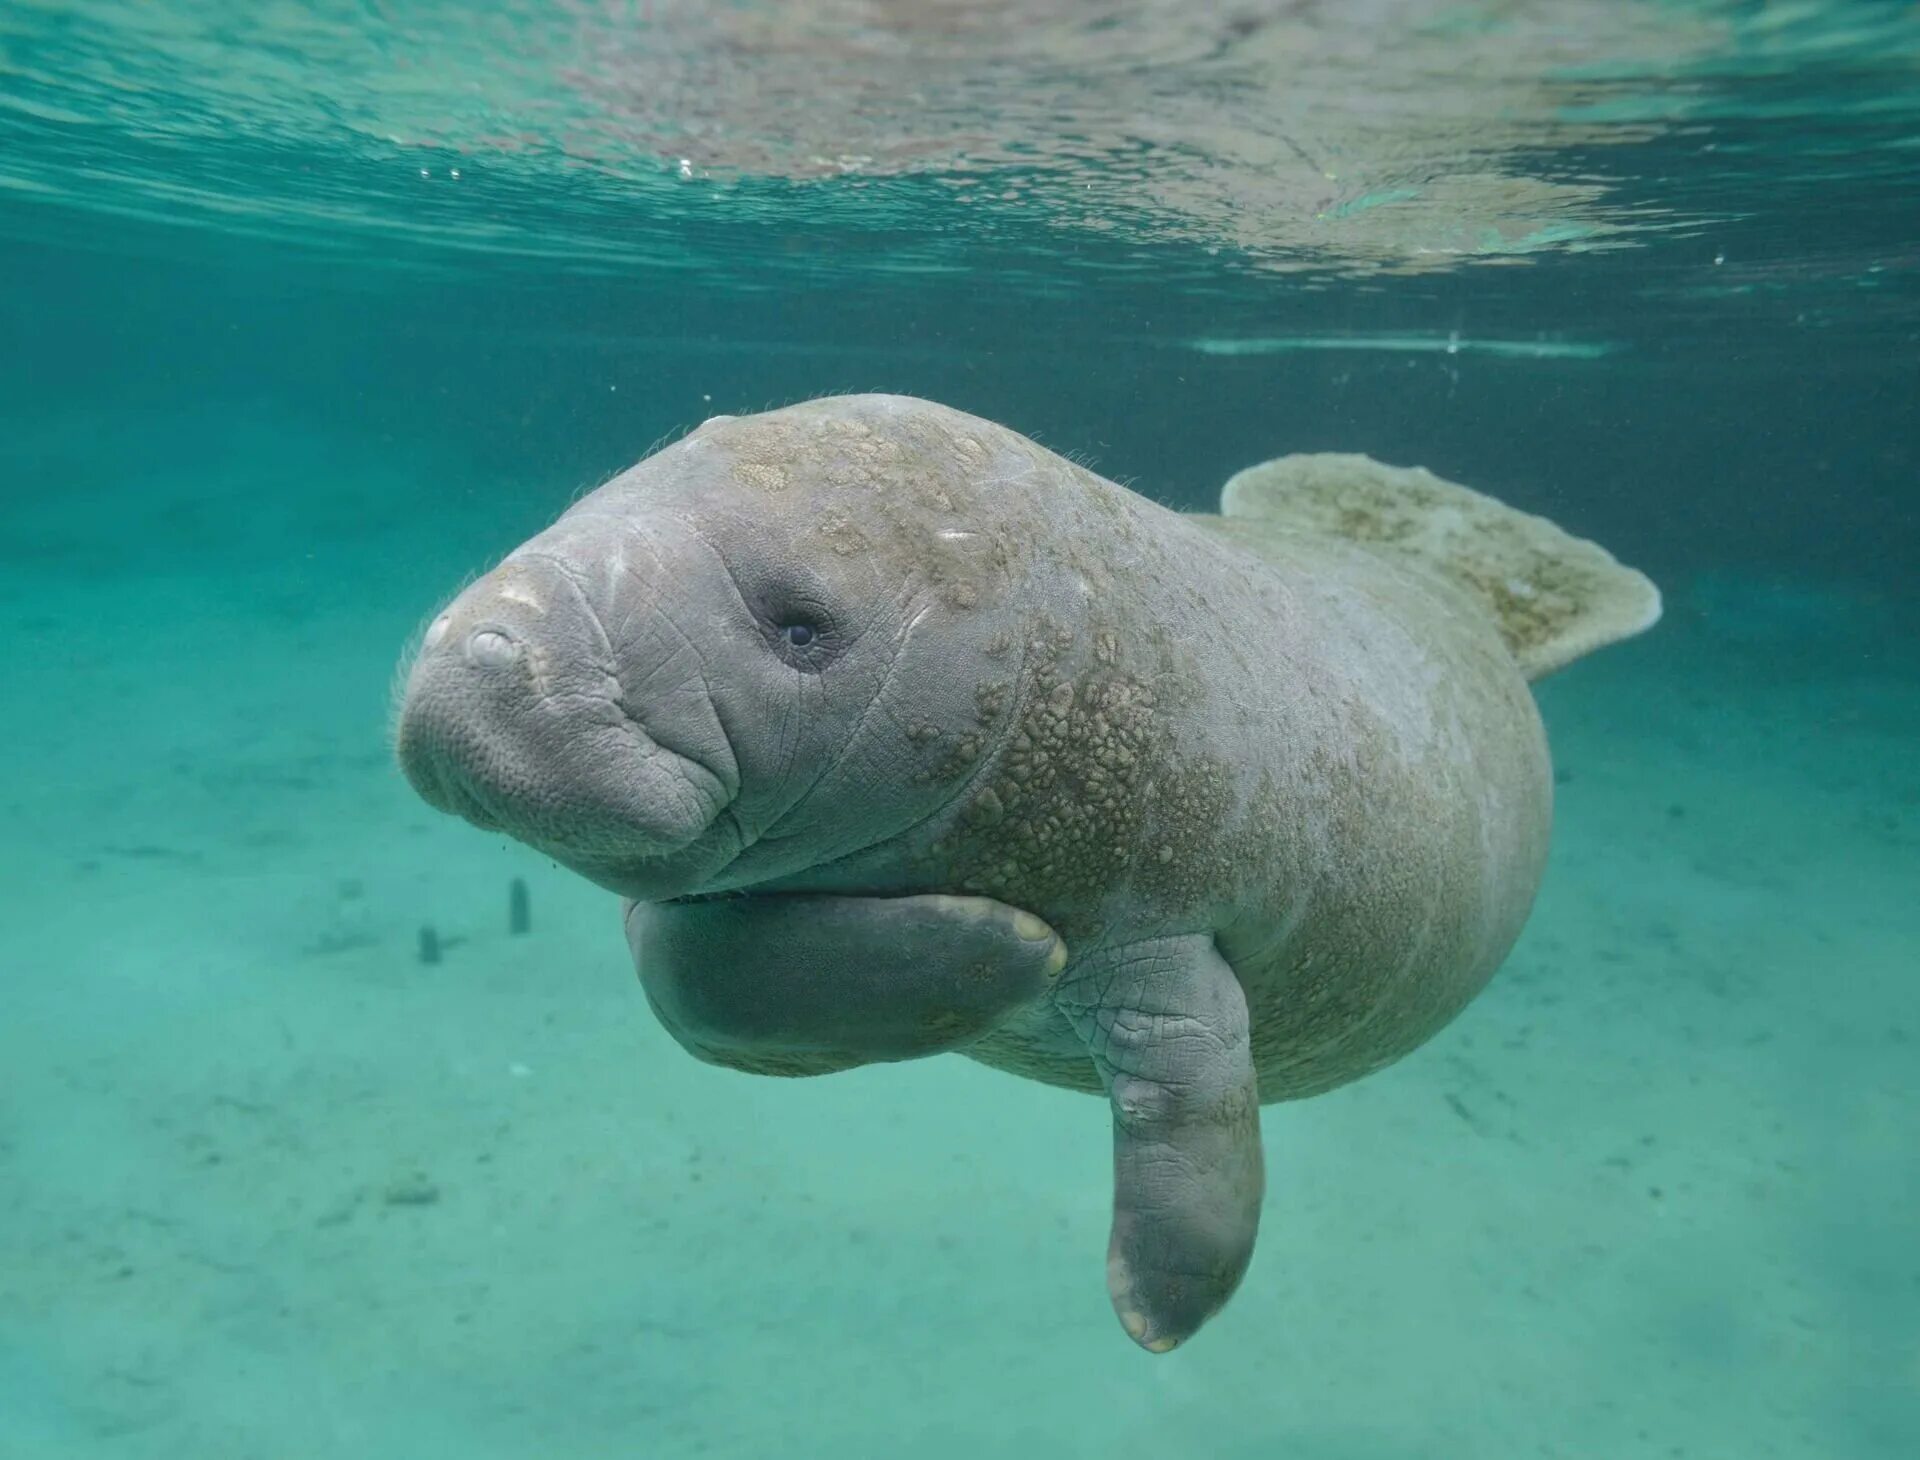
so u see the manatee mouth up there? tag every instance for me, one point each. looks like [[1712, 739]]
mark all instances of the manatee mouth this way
[[608, 797], [452, 795], [649, 851], [435, 780], [512, 744], [424, 758]]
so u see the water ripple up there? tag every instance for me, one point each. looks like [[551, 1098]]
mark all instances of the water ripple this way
[[1377, 137]]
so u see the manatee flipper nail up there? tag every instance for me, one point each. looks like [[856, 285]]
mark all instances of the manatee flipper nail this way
[[811, 983], [1166, 1023]]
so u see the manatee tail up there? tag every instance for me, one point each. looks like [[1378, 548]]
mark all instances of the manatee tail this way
[[1554, 596]]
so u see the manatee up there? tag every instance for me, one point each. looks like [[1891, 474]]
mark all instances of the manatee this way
[[898, 734]]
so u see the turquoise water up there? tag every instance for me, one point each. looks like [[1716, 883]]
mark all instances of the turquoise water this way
[[309, 312]]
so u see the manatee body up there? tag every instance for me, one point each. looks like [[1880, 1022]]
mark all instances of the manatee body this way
[[900, 734]]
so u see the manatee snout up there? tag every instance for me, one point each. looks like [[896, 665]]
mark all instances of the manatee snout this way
[[516, 717], [481, 702]]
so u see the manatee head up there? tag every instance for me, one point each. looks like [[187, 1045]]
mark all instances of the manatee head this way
[[780, 641]]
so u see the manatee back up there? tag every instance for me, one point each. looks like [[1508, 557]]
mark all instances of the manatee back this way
[[1552, 596]]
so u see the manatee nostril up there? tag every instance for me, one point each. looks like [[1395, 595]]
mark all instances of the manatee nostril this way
[[437, 630], [491, 649]]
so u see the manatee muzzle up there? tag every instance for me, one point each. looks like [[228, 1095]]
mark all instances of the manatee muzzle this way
[[513, 719]]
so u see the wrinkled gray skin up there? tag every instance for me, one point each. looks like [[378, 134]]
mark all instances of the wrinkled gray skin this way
[[1285, 803]]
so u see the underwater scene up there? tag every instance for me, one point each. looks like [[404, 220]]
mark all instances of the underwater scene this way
[[737, 729]]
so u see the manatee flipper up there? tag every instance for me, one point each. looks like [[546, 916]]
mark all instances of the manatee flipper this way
[[806, 984], [1166, 1023], [1553, 596]]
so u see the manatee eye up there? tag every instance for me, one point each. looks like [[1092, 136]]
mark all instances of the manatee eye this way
[[801, 628]]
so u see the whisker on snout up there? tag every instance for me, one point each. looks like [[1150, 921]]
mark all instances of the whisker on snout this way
[[410, 651]]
